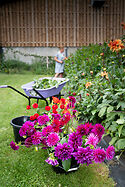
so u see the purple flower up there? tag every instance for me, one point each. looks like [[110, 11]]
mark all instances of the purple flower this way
[[14, 146], [42, 120], [63, 152], [84, 155], [74, 112], [81, 130], [72, 99], [52, 139], [36, 138], [98, 130], [56, 116], [47, 130], [74, 140], [53, 162], [69, 92], [26, 126], [70, 105], [110, 152], [28, 142], [44, 142], [92, 140], [99, 155]]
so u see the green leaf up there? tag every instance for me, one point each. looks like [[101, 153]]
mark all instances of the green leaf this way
[[63, 140], [93, 112], [109, 109], [120, 121], [102, 111], [66, 164], [113, 140], [121, 144], [120, 130]]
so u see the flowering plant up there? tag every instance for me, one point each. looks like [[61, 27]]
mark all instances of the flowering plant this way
[[58, 131]]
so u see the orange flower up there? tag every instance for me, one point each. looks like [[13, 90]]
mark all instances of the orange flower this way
[[88, 94], [88, 84], [65, 111], [55, 100], [116, 45], [104, 74]]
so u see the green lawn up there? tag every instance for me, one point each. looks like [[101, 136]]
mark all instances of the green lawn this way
[[26, 167]]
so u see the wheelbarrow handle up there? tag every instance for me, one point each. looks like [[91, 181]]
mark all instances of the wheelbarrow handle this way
[[3, 86]]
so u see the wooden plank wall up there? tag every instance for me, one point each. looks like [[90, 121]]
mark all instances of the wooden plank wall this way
[[59, 22]]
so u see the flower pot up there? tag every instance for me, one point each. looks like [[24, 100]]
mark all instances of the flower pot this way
[[17, 123], [74, 167]]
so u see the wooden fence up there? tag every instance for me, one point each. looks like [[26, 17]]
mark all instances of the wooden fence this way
[[59, 22]]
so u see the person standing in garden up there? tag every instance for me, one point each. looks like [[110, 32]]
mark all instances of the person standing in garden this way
[[59, 66]]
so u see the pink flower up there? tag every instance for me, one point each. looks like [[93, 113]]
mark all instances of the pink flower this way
[[53, 139], [110, 152], [47, 130], [51, 161], [42, 120], [92, 140]]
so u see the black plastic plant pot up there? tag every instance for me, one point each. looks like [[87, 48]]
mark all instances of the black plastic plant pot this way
[[17, 123], [74, 167]]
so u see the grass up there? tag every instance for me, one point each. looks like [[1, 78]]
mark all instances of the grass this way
[[26, 167]]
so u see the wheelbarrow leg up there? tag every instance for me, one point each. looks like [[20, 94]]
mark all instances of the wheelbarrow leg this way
[[37, 101], [46, 102], [29, 100], [50, 99]]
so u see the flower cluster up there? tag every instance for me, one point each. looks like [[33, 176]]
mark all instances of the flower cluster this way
[[116, 45], [54, 130]]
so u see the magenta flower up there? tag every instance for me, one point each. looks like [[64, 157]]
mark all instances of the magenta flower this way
[[81, 130], [70, 105], [36, 138], [47, 130], [27, 126], [72, 99], [75, 140], [88, 127], [52, 139], [14, 146], [28, 142], [42, 120], [74, 112], [98, 130], [92, 140], [51, 161], [44, 142], [99, 155], [56, 116], [110, 152], [63, 152], [84, 155]]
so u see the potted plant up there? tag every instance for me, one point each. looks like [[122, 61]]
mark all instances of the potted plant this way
[[68, 143]]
